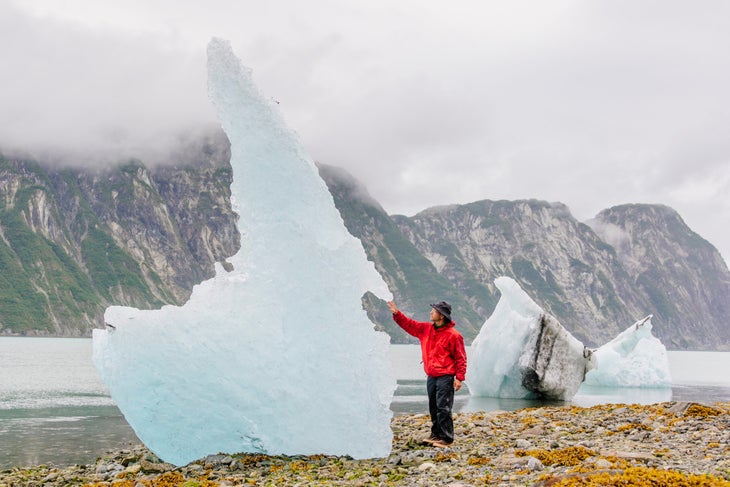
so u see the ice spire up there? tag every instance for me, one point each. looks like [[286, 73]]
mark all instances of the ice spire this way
[[278, 355]]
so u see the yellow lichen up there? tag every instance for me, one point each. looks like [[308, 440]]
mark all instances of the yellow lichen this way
[[478, 416], [487, 479], [444, 457], [250, 459], [633, 426], [637, 477], [528, 421], [616, 464], [573, 455], [700, 411], [476, 460], [167, 479], [299, 466]]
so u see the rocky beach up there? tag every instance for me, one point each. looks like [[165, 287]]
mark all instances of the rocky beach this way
[[668, 444]]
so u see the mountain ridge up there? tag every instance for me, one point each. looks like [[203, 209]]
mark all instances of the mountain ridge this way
[[567, 267], [73, 241]]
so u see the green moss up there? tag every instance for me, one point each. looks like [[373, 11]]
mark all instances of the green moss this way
[[110, 267], [21, 305], [38, 278]]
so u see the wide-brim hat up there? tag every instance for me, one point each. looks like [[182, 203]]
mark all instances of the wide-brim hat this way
[[444, 308]]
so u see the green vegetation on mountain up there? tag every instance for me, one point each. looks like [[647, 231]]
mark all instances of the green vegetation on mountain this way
[[75, 241]]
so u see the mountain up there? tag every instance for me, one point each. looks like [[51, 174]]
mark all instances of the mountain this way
[[74, 241], [413, 279], [570, 272], [579, 273], [684, 277]]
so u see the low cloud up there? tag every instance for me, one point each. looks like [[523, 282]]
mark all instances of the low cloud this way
[[593, 104], [87, 96]]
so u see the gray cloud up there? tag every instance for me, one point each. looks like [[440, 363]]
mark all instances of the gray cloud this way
[[589, 103], [94, 94]]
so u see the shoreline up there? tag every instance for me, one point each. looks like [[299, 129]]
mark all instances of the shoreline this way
[[680, 443]]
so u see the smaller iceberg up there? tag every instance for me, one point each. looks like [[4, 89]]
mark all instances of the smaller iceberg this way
[[523, 352], [635, 358]]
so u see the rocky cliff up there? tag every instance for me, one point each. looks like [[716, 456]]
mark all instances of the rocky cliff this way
[[73, 241], [597, 279], [413, 279], [681, 276], [562, 263]]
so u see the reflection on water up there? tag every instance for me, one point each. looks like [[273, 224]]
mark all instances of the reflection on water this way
[[476, 404], [62, 436], [701, 393], [591, 396], [410, 397]]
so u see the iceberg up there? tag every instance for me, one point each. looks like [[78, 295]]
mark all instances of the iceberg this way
[[635, 358], [523, 352], [276, 356]]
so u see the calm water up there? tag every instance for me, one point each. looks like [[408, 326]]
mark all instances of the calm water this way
[[55, 409]]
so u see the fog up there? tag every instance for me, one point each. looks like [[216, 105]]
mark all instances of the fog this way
[[592, 104]]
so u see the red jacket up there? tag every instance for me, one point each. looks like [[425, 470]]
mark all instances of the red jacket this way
[[442, 349]]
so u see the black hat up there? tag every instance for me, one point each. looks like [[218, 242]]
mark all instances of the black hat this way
[[444, 308]]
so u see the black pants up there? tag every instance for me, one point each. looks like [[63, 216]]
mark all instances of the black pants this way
[[440, 401]]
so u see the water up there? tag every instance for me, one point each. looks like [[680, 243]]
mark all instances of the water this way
[[55, 409], [53, 406]]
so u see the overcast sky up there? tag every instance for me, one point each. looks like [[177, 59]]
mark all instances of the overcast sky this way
[[591, 103]]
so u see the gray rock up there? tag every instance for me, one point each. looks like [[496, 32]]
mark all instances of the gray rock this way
[[523, 444], [218, 460], [395, 460], [50, 477], [534, 431], [533, 464]]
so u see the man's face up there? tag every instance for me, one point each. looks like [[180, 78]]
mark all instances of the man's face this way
[[435, 316]]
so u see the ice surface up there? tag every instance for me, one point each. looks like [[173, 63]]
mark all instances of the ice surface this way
[[522, 352], [635, 358], [278, 355]]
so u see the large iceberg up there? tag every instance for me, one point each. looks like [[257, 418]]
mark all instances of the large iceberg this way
[[635, 358], [278, 355], [523, 352]]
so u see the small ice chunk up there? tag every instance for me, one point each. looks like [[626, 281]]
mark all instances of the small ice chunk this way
[[635, 358]]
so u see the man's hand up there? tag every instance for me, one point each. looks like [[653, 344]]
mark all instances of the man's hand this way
[[393, 307], [457, 384]]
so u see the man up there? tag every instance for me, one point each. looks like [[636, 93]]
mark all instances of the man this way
[[444, 361]]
